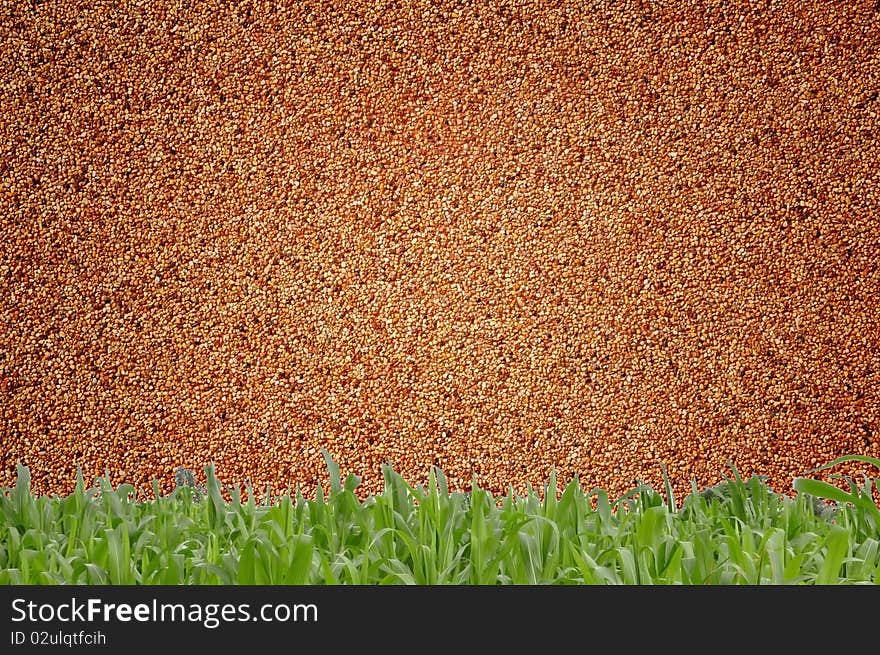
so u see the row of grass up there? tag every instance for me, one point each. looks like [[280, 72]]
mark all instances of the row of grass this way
[[739, 532]]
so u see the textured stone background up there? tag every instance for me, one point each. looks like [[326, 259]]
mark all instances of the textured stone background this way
[[496, 237]]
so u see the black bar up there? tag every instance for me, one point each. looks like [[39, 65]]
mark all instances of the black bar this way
[[456, 619]]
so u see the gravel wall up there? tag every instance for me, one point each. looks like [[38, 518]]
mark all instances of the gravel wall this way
[[495, 237]]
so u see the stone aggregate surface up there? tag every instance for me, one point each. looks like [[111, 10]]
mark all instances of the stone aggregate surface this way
[[496, 237]]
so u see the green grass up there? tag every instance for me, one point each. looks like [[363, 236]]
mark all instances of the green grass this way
[[738, 532]]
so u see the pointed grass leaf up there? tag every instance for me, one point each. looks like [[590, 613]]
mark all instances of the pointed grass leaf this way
[[96, 575], [333, 470], [352, 482], [300, 569], [836, 549], [874, 461], [216, 505], [829, 491], [208, 573], [119, 555], [246, 574]]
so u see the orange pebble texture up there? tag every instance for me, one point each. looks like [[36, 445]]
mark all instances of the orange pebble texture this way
[[501, 238]]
